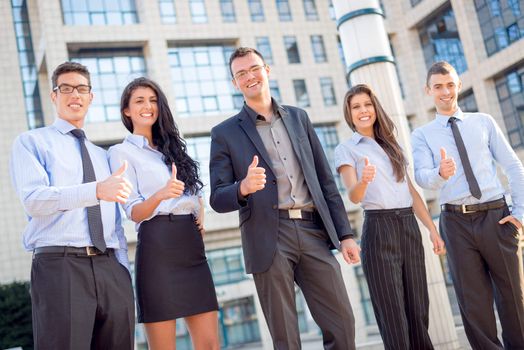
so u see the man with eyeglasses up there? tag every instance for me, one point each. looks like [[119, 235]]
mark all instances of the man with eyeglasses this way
[[81, 289], [267, 162]]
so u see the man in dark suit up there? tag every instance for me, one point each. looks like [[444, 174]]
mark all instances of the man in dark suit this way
[[267, 162]]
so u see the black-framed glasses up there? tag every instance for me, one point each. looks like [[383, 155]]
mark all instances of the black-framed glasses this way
[[68, 89], [240, 75]]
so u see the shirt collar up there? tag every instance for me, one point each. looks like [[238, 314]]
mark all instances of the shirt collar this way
[[253, 115], [357, 137], [137, 140], [443, 119], [63, 126]]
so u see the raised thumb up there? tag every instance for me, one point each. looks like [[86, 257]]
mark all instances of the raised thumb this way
[[254, 163], [122, 169], [443, 154]]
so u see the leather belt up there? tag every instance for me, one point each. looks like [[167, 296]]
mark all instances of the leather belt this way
[[473, 208], [297, 214], [83, 251]]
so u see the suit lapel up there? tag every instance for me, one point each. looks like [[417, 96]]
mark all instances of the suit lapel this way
[[292, 126], [251, 131]]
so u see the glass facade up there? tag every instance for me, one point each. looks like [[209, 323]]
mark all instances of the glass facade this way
[[226, 265], [99, 12], [198, 148], [510, 91], [256, 10], [501, 23], [111, 70], [264, 47], [201, 80], [198, 11], [467, 102], [227, 8], [319, 50], [328, 91], [290, 43], [310, 10], [167, 11], [284, 11], [301, 95], [26, 61], [440, 40]]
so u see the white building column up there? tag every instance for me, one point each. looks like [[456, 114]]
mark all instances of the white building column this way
[[368, 54]]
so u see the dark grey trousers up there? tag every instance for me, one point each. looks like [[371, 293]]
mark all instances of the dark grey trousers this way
[[81, 303], [303, 256], [486, 265], [393, 262]]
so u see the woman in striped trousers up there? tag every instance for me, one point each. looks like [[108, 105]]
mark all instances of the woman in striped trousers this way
[[374, 170]]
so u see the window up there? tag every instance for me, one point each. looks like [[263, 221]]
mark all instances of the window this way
[[275, 90], [99, 12], [198, 148], [28, 70], [440, 40], [198, 11], [328, 91], [290, 43], [365, 298], [284, 11], [327, 134], [501, 23], [510, 91], [402, 93], [226, 265], [310, 10], [301, 94], [227, 8], [201, 80], [111, 70], [264, 47], [341, 53], [467, 102], [415, 2], [256, 10], [319, 51], [167, 11], [239, 322], [331, 9]]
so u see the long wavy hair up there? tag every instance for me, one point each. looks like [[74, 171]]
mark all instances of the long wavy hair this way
[[383, 129], [165, 135]]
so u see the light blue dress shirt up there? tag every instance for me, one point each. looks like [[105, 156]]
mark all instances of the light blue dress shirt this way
[[486, 146], [46, 170], [384, 192], [148, 173]]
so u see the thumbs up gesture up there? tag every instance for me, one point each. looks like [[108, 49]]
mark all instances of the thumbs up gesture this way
[[369, 172], [116, 188], [174, 188], [447, 165], [255, 179]]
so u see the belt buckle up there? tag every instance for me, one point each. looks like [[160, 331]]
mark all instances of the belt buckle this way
[[91, 251], [295, 213], [465, 211]]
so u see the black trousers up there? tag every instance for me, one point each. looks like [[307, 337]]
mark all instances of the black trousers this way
[[485, 261], [81, 303], [393, 263]]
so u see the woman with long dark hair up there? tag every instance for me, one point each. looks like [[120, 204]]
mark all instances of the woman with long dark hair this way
[[173, 279], [374, 170]]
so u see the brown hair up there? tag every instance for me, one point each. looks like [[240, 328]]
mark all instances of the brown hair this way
[[70, 67], [241, 52], [383, 129], [440, 67]]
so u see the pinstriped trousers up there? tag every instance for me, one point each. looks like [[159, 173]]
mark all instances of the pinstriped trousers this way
[[393, 263]]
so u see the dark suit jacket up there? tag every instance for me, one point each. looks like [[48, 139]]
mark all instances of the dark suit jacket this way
[[234, 142]]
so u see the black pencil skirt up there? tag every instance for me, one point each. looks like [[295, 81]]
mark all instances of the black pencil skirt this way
[[173, 279]]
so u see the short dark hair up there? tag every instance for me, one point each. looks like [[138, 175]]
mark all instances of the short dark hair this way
[[241, 52], [440, 67], [70, 67]]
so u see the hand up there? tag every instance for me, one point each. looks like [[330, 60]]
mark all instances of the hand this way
[[350, 251], [116, 188], [174, 188], [255, 179], [438, 244], [513, 220], [447, 165], [369, 172]]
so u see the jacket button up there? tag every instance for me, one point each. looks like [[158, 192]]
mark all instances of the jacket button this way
[[275, 206], [274, 182]]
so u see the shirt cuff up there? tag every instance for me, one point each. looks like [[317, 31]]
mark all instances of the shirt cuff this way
[[436, 180], [121, 256], [80, 196], [241, 199], [346, 237]]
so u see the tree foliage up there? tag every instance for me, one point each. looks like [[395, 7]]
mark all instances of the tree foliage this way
[[15, 316]]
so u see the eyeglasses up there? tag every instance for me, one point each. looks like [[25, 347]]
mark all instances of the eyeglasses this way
[[68, 89], [253, 70]]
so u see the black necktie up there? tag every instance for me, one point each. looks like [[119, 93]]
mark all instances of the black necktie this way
[[94, 215], [470, 177]]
